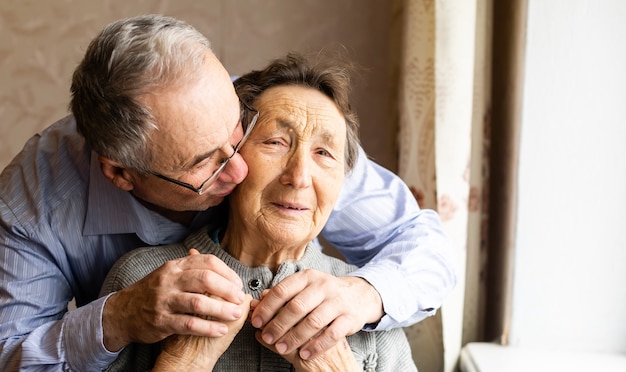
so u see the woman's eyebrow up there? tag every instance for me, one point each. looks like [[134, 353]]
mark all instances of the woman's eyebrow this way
[[284, 122]]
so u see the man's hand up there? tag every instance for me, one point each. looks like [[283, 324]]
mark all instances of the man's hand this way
[[312, 310], [338, 358], [161, 303]]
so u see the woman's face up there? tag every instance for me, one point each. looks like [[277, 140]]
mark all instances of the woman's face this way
[[295, 158]]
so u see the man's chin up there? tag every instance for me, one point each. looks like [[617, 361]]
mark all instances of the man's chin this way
[[222, 193], [212, 201]]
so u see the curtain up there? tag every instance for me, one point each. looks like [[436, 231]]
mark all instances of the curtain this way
[[444, 117]]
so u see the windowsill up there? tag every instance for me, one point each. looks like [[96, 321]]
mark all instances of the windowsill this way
[[487, 357]]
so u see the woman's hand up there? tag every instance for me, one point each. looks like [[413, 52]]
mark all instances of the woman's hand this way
[[199, 353]]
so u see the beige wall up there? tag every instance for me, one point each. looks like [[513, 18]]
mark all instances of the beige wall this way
[[42, 41]]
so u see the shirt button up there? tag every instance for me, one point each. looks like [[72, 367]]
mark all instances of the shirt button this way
[[254, 284]]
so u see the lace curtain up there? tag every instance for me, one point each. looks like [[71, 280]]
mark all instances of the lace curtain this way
[[444, 116]]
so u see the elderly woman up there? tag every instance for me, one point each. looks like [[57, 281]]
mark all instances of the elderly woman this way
[[304, 141]]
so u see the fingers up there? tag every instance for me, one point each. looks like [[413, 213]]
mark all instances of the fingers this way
[[210, 307], [273, 300], [210, 283], [202, 285], [317, 323], [193, 353], [329, 337], [209, 262], [205, 286], [338, 357], [188, 324], [193, 295], [303, 309], [236, 325], [312, 311]]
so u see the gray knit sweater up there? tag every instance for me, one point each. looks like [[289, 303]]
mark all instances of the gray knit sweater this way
[[375, 351]]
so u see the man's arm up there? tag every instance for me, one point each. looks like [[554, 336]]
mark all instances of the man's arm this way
[[35, 328], [162, 303], [37, 332], [401, 250], [407, 265]]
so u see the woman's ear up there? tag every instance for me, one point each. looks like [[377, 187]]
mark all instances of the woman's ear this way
[[116, 173]]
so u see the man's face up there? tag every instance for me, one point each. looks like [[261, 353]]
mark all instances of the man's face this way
[[296, 154], [198, 125]]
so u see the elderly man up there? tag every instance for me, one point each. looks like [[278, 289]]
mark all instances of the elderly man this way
[[150, 149]]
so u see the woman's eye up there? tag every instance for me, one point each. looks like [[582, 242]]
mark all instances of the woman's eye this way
[[276, 142]]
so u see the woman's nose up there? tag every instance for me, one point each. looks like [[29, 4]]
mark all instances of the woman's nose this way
[[297, 171]]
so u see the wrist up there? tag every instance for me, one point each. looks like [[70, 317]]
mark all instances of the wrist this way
[[375, 310], [188, 353], [112, 334], [169, 362]]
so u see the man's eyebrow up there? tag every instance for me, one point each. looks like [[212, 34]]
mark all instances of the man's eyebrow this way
[[200, 158]]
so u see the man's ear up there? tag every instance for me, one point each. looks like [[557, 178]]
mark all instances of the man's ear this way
[[116, 173]]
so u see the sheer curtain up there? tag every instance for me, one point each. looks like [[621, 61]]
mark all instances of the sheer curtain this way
[[444, 118]]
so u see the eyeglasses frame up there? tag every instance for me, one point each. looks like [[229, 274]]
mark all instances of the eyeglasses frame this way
[[200, 189]]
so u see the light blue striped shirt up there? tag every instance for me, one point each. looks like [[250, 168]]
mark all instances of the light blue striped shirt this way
[[63, 225]]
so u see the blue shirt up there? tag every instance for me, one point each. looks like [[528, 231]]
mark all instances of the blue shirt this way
[[63, 225]]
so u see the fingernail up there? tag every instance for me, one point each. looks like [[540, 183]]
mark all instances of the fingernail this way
[[257, 322], [241, 296], [305, 354], [236, 313], [281, 347], [268, 338], [222, 330]]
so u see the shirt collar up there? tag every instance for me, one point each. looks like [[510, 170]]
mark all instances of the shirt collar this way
[[111, 210]]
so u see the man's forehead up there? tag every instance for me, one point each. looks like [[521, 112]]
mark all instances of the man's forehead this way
[[191, 127]]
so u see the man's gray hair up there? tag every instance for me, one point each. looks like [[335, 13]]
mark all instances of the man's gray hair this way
[[129, 58]]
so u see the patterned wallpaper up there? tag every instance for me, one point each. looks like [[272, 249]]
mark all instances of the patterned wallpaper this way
[[42, 42]]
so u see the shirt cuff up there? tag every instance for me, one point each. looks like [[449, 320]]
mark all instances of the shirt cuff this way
[[84, 338], [400, 303]]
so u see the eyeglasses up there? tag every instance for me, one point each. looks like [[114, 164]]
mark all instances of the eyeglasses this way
[[245, 114]]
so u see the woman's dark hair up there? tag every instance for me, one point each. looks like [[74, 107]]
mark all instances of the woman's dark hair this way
[[329, 77]]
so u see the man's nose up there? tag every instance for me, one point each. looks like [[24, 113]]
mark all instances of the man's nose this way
[[235, 171]]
